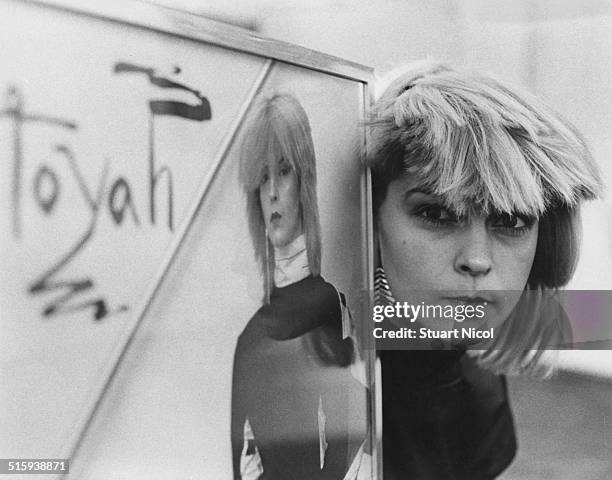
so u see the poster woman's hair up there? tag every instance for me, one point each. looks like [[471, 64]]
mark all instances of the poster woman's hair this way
[[278, 127], [481, 145]]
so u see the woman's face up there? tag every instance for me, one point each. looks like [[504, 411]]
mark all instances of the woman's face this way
[[280, 202], [450, 260]]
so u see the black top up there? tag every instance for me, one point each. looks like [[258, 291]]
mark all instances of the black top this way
[[443, 417], [290, 359]]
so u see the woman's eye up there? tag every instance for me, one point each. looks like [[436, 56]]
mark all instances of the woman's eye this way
[[510, 223], [264, 178], [508, 220], [284, 171], [436, 214]]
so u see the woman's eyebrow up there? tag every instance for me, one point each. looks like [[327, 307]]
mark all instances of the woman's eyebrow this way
[[421, 190]]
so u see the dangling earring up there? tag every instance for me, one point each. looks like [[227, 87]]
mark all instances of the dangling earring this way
[[382, 290]]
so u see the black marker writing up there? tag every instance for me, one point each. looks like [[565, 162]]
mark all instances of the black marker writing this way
[[14, 111], [120, 192], [199, 112], [47, 282], [46, 197], [120, 202]]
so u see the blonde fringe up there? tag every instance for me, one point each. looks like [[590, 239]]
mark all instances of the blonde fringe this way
[[477, 143]]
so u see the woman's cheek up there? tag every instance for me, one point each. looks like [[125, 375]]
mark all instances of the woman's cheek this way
[[414, 259], [515, 259]]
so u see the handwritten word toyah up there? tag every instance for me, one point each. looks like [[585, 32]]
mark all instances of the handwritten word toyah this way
[[113, 196]]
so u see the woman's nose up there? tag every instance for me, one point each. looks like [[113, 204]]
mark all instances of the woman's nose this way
[[474, 251], [273, 190]]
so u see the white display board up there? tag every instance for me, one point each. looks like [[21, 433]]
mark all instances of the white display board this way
[[126, 269]]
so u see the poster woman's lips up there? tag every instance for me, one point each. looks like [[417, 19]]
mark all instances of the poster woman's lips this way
[[275, 216]]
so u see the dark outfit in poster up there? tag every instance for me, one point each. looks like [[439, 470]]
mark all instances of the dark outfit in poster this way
[[291, 364], [443, 417]]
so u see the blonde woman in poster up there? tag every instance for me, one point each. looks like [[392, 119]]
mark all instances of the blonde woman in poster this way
[[292, 380], [477, 188]]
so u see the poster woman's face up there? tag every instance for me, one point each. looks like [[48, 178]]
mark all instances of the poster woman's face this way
[[449, 259], [280, 202]]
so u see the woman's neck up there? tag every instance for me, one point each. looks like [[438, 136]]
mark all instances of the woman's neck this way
[[291, 262]]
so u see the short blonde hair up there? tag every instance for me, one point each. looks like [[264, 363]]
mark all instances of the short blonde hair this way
[[278, 127], [481, 145]]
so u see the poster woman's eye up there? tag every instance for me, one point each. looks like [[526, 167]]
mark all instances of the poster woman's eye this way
[[264, 178], [284, 169]]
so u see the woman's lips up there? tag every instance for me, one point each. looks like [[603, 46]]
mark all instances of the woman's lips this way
[[275, 217], [468, 299], [471, 299]]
